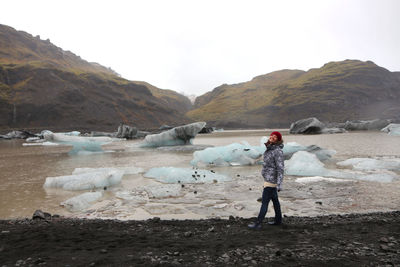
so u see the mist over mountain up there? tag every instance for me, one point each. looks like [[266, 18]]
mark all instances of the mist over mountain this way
[[43, 86], [336, 92]]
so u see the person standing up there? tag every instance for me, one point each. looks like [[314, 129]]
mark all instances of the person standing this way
[[272, 172]]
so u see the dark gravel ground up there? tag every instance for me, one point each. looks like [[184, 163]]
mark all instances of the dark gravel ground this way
[[347, 240]]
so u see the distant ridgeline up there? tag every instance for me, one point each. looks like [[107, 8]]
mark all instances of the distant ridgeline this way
[[336, 92], [45, 87]]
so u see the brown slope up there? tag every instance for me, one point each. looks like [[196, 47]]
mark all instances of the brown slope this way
[[171, 98], [42, 86], [338, 91]]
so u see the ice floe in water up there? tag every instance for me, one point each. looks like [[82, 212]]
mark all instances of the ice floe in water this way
[[233, 154], [79, 143], [84, 181], [82, 201], [392, 129], [292, 147], [245, 154], [371, 164], [181, 135], [304, 163], [185, 175]]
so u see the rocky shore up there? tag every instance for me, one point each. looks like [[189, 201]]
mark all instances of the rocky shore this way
[[345, 240]]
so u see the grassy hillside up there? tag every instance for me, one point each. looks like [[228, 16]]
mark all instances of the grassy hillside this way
[[338, 91], [42, 86]]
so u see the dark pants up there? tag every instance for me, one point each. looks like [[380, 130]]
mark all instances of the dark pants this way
[[270, 193]]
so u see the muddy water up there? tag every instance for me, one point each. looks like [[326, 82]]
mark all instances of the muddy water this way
[[23, 170]]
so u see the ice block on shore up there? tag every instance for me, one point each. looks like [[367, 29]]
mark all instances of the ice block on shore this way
[[84, 181], [82, 201]]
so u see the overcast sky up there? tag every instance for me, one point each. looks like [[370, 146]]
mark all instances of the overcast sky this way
[[195, 46]]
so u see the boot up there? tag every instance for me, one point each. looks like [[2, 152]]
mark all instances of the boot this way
[[255, 225]]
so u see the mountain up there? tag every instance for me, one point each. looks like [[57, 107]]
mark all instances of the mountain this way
[[45, 87], [338, 91]]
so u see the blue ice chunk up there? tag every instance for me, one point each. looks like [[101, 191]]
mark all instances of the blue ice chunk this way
[[304, 163], [245, 154], [185, 175], [392, 129], [233, 154], [79, 143], [292, 147], [84, 181]]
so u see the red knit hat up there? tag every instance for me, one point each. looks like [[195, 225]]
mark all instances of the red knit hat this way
[[278, 134]]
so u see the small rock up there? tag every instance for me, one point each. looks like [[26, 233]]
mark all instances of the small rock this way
[[384, 247], [384, 239], [187, 234], [103, 251], [38, 214]]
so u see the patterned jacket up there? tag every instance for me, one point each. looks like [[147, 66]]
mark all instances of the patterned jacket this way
[[273, 166]]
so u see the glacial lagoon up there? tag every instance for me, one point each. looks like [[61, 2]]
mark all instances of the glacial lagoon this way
[[24, 170]]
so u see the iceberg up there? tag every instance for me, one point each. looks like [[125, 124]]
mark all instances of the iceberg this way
[[82, 201], [85, 181], [230, 155], [184, 175], [392, 129], [181, 135], [79, 143], [371, 164], [244, 154], [366, 125], [292, 147], [304, 163], [307, 126]]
